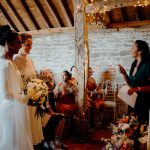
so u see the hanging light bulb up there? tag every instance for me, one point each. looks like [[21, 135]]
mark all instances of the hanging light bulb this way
[[146, 3]]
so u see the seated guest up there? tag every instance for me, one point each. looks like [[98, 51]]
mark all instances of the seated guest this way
[[52, 122], [65, 94], [53, 125], [95, 103], [74, 72]]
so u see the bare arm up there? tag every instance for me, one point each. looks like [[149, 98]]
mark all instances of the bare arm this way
[[59, 90]]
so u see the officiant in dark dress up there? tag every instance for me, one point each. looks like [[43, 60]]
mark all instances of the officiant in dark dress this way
[[139, 79]]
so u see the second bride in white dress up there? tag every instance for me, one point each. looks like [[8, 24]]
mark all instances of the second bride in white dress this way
[[27, 69]]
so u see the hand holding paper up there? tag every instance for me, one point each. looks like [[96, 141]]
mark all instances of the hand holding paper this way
[[129, 99]]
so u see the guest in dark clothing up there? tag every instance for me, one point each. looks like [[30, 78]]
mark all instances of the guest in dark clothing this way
[[54, 127], [139, 79], [53, 123]]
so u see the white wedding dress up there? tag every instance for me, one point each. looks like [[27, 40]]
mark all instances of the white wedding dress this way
[[26, 67], [15, 131]]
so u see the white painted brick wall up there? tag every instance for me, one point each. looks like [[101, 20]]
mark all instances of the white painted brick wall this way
[[53, 51], [108, 48]]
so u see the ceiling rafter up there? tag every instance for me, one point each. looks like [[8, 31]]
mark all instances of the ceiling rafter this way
[[65, 13], [41, 10], [64, 2], [129, 24], [140, 14], [107, 19], [123, 13], [8, 18], [30, 14], [17, 15], [54, 12]]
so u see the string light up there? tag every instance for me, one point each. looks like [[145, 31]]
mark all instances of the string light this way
[[99, 8]]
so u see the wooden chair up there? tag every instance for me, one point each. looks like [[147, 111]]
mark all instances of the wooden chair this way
[[109, 96]]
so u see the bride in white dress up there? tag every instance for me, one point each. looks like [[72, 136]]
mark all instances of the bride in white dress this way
[[26, 67], [15, 132]]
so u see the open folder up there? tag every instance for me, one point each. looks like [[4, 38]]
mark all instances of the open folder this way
[[129, 99]]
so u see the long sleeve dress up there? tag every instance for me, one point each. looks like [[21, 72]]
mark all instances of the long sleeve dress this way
[[26, 68], [141, 78], [15, 131]]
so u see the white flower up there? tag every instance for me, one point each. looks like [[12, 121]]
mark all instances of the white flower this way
[[123, 126], [36, 89]]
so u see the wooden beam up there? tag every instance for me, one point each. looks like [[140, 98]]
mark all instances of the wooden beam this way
[[129, 24], [139, 13], [8, 18], [148, 139], [64, 13], [107, 19], [54, 12], [145, 28], [30, 14], [69, 13], [123, 14], [17, 15], [51, 30], [41, 10], [81, 62]]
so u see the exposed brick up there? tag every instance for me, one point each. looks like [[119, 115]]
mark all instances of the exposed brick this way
[[108, 48]]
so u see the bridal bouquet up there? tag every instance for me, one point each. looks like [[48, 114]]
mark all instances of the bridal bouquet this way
[[125, 133], [36, 92]]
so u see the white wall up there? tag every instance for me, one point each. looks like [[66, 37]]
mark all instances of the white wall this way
[[108, 48]]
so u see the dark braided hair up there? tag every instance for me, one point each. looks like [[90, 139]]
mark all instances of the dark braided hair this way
[[25, 37], [68, 74], [7, 35]]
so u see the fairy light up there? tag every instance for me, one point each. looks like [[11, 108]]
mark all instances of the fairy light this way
[[101, 7], [146, 3]]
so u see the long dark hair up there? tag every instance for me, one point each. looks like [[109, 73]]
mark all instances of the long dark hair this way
[[143, 48], [7, 35], [145, 54]]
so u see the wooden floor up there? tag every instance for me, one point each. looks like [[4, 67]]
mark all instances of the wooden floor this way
[[93, 142]]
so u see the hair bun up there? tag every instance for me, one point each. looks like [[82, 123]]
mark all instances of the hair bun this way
[[4, 30]]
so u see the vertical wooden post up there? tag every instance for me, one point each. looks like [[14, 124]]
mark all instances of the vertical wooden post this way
[[148, 139], [81, 59]]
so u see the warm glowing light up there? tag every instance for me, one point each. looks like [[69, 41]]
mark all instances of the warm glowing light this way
[[97, 9], [146, 3]]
